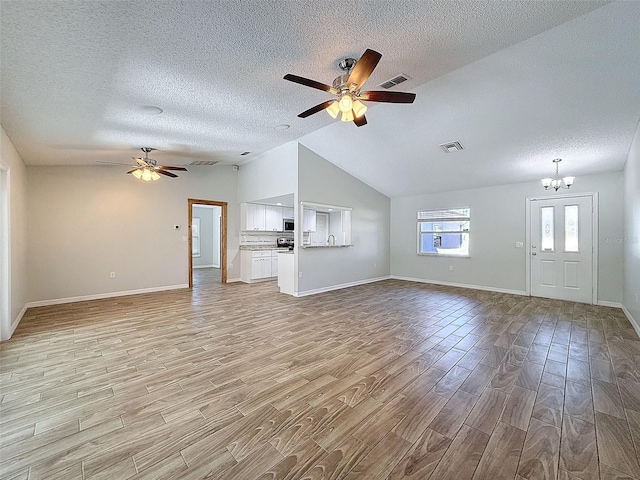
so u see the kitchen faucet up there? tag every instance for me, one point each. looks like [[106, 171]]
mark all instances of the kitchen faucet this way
[[329, 240]]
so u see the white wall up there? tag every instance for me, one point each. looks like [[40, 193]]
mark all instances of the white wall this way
[[631, 239], [497, 222], [320, 181], [87, 221], [15, 243], [270, 174]]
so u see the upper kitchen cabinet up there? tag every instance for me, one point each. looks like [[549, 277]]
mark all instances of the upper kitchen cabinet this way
[[308, 219], [252, 216], [273, 218], [288, 213]]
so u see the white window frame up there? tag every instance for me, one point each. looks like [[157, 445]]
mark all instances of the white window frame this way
[[442, 215], [195, 237]]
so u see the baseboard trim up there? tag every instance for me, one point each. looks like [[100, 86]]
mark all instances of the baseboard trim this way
[[233, 280], [204, 266], [100, 296], [634, 323], [461, 285], [605, 303], [16, 322], [340, 286]]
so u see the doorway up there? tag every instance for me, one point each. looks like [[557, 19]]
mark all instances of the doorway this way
[[207, 242], [562, 247]]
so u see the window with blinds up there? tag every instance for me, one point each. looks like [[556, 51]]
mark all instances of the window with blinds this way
[[444, 232]]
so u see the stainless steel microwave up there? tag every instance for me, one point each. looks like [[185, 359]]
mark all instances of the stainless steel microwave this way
[[287, 224]]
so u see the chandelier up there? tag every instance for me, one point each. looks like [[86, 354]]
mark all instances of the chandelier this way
[[556, 182]]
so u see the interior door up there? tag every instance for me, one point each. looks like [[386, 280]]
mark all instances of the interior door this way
[[561, 248]]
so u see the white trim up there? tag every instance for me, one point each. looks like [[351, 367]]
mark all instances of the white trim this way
[[605, 303], [634, 323], [205, 266], [6, 329], [233, 280], [594, 241], [99, 296], [461, 285], [16, 322], [339, 286]]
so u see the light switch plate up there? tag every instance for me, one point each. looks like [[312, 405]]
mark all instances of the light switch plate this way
[[519, 244]]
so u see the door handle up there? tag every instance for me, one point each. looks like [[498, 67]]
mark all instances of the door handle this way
[[533, 253]]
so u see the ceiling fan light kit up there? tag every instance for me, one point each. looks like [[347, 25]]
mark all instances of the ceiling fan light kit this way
[[147, 169], [556, 182], [347, 88]]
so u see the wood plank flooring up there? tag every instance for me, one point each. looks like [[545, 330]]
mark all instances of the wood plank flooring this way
[[389, 380]]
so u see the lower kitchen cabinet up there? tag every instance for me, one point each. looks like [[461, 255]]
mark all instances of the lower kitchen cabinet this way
[[258, 265]]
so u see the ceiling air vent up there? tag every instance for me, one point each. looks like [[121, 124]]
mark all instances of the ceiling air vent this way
[[395, 81], [451, 147], [202, 162]]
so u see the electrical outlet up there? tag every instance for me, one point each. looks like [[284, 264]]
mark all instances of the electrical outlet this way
[[231, 265], [300, 275], [450, 268], [112, 275]]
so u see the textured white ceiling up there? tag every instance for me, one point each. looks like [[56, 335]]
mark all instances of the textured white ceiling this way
[[495, 75]]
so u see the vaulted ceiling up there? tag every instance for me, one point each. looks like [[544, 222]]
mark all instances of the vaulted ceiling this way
[[518, 83]]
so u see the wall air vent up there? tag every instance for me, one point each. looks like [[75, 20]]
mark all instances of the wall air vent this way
[[202, 162], [451, 147], [395, 81]]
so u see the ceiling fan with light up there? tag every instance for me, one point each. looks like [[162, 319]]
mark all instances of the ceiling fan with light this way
[[347, 87], [147, 168]]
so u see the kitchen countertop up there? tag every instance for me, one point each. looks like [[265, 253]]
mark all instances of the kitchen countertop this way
[[326, 246], [262, 248]]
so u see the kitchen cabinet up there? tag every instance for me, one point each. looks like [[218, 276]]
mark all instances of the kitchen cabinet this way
[[253, 216], [273, 218], [274, 263], [287, 212], [258, 265], [308, 220]]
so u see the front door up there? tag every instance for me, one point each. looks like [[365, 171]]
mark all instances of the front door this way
[[561, 248]]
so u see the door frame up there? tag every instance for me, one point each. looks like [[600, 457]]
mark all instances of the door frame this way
[[594, 250], [223, 236]]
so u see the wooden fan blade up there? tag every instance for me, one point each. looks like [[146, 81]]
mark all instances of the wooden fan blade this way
[[308, 83], [363, 68], [360, 121], [131, 171], [140, 162], [316, 109], [161, 167], [389, 97], [168, 174]]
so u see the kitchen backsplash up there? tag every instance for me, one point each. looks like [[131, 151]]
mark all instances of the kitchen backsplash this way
[[255, 239]]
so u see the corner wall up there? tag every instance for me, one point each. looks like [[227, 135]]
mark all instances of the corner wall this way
[[320, 181], [88, 221], [16, 244], [497, 222], [631, 239]]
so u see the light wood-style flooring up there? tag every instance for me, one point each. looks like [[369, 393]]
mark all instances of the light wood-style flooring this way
[[388, 380], [206, 277]]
